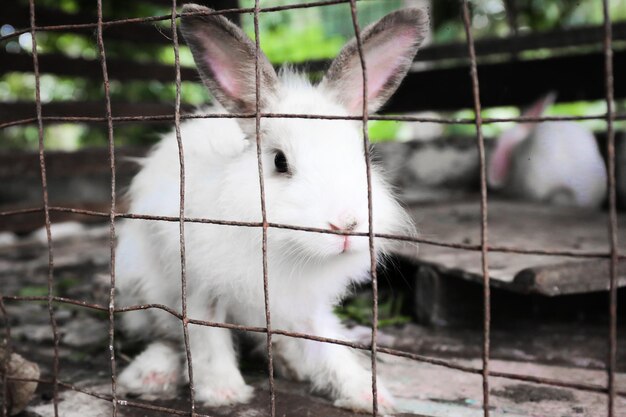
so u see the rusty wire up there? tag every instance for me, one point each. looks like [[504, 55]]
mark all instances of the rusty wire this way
[[612, 339], [370, 217], [46, 211], [412, 239], [394, 118], [181, 213], [483, 206], [257, 134], [107, 100], [610, 116]]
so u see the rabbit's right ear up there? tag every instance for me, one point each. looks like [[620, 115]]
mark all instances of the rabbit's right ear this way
[[501, 160], [225, 57], [539, 107], [389, 46]]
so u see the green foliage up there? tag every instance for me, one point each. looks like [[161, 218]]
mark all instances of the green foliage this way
[[66, 283], [543, 14], [155, 91], [383, 130], [18, 137], [312, 33], [21, 86], [489, 16], [489, 130], [284, 44], [359, 309], [68, 44], [72, 136], [33, 291]]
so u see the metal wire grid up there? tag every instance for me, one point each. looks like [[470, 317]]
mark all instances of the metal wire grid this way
[[373, 347], [483, 206]]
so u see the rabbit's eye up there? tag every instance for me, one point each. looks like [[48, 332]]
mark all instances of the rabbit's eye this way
[[280, 161]]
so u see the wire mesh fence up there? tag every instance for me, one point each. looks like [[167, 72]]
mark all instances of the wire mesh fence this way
[[373, 347]]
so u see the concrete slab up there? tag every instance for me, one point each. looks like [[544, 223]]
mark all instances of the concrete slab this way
[[522, 225]]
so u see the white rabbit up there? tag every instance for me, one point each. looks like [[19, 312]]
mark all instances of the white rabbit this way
[[556, 162], [315, 176]]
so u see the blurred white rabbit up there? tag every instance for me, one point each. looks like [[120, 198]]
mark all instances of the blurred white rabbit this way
[[555, 162], [315, 176]]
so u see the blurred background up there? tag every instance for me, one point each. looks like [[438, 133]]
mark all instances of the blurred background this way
[[141, 58]]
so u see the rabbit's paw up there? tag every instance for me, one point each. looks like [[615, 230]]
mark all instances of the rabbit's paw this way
[[362, 401], [223, 391], [150, 375]]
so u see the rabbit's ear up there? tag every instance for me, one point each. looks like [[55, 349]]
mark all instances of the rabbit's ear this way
[[224, 56], [389, 46], [499, 166], [502, 157], [539, 107]]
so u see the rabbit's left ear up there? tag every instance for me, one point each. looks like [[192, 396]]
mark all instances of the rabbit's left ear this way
[[389, 46]]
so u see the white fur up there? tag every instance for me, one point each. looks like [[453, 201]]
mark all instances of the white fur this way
[[308, 273], [555, 162], [559, 163], [153, 372]]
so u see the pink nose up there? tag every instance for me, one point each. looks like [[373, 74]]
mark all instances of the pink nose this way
[[346, 239]]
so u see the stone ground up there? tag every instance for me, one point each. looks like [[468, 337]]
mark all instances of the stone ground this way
[[572, 351]]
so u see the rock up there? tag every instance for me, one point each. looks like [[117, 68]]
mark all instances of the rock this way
[[37, 333], [76, 404], [59, 231], [19, 393], [7, 239], [84, 332]]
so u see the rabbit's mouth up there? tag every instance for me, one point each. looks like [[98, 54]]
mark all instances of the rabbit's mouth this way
[[345, 239], [349, 244], [345, 244]]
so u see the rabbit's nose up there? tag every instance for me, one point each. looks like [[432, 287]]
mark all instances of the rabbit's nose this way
[[348, 226], [333, 227], [346, 239]]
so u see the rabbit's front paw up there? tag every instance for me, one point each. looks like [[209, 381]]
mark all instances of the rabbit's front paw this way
[[361, 400], [150, 378], [219, 391]]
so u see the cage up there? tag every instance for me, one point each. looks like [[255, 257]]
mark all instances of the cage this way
[[509, 307]]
